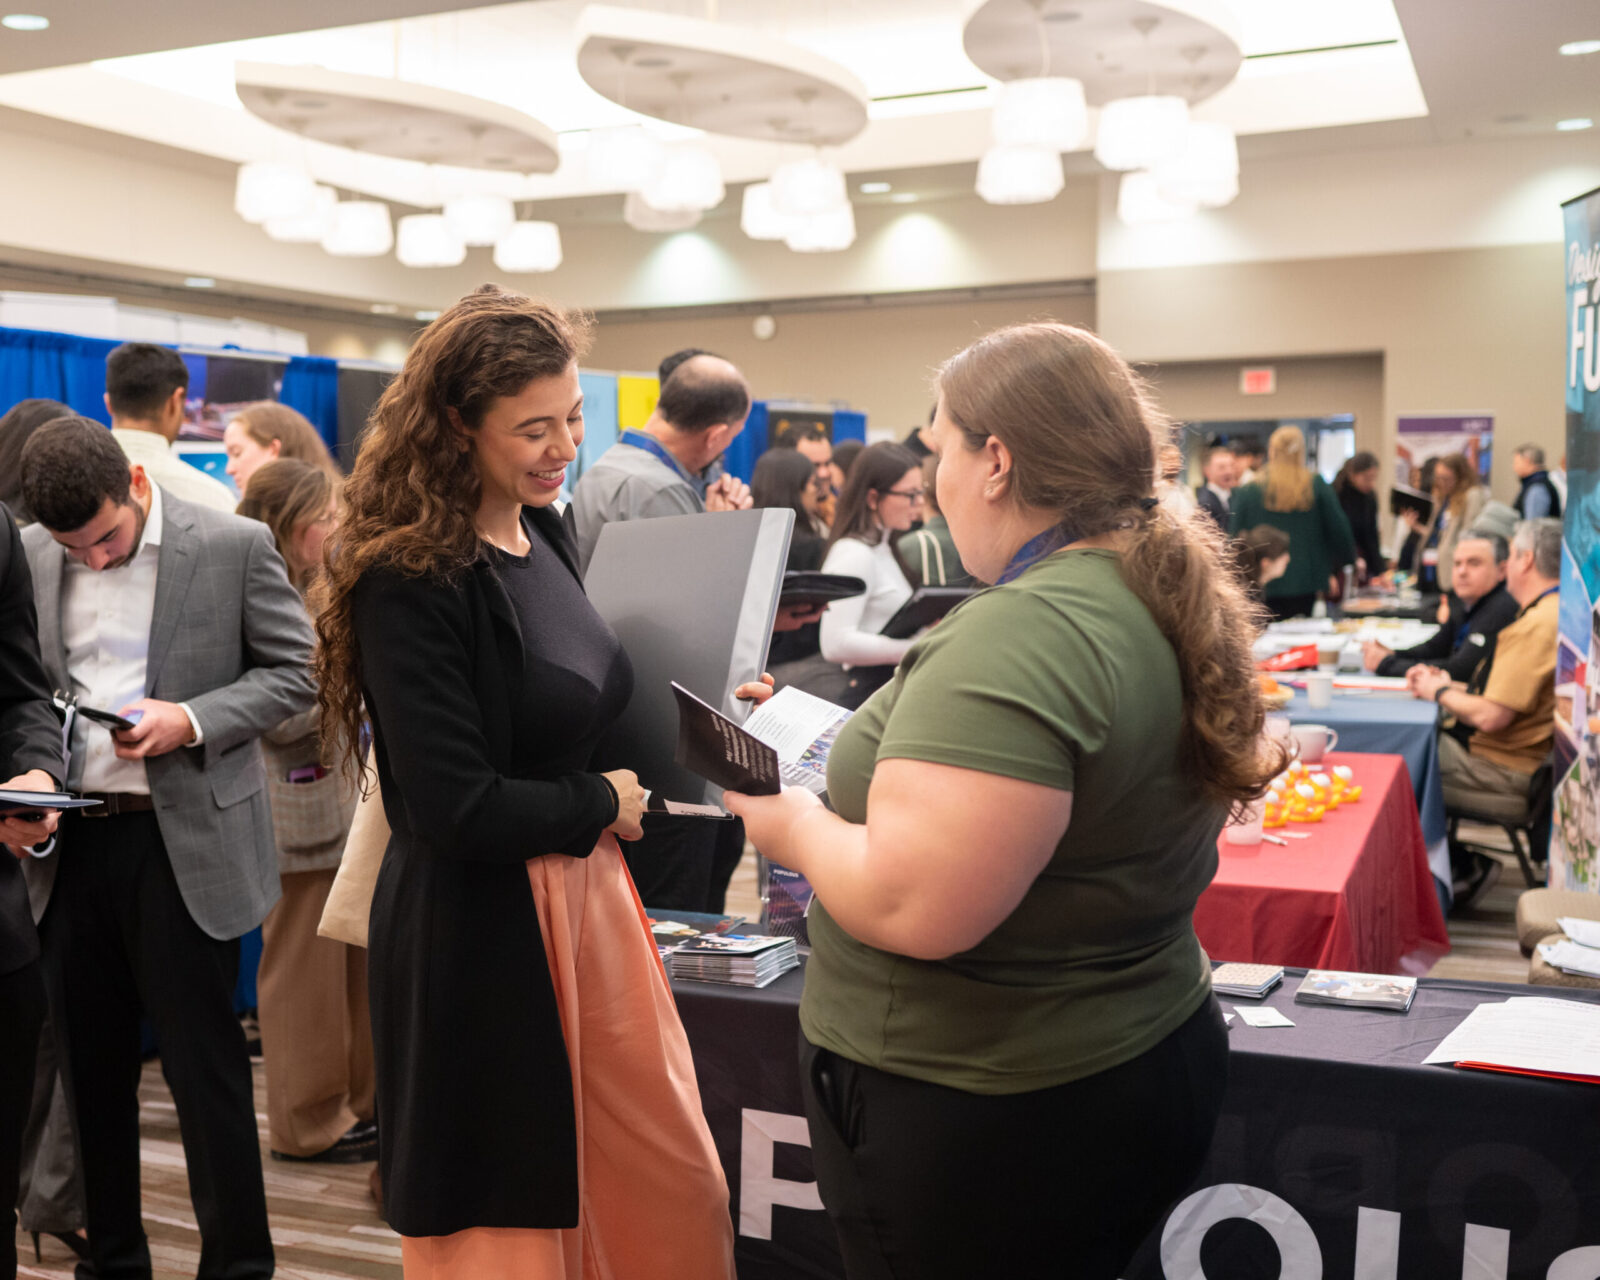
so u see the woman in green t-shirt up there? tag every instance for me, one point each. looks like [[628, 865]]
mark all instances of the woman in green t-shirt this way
[[1012, 1061]]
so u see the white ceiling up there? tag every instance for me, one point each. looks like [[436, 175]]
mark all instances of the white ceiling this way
[[1319, 76], [930, 102]]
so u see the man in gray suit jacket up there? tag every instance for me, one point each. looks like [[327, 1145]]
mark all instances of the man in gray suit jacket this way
[[182, 620]]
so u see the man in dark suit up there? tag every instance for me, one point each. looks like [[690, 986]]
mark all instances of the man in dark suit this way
[[1215, 494], [183, 620], [30, 760], [1480, 608]]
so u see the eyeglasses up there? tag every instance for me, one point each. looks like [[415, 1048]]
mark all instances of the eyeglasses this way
[[912, 496]]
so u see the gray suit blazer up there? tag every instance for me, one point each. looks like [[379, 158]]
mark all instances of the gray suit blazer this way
[[230, 637]]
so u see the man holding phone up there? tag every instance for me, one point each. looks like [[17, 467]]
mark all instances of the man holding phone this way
[[30, 760], [182, 621]]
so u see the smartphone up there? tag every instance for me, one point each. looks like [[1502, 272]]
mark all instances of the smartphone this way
[[110, 719]]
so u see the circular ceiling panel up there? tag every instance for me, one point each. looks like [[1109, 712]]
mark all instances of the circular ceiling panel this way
[[718, 78], [396, 118], [1118, 48]]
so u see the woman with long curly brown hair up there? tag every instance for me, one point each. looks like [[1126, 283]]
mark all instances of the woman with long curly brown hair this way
[[537, 1108], [1013, 1060]]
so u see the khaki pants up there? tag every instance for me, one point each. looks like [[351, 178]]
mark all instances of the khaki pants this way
[[1461, 771], [316, 1036]]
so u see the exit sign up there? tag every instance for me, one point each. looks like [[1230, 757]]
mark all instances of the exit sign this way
[[1258, 382]]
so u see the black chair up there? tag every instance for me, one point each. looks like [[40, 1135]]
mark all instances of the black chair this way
[[1525, 820]]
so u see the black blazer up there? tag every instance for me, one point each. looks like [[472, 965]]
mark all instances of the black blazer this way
[[30, 734], [474, 1088], [1361, 510], [1212, 506]]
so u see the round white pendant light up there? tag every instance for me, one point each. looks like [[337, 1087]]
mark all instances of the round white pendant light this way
[[625, 159], [805, 188], [690, 181], [1141, 133], [638, 214], [824, 232], [1206, 172], [1041, 111], [359, 229], [529, 246], [309, 228], [1020, 175], [265, 190], [426, 240], [479, 219], [1140, 201], [758, 219]]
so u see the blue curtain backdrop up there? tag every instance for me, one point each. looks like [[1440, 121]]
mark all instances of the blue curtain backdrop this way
[[311, 385], [54, 366]]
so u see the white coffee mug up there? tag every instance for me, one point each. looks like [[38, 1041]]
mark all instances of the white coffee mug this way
[[1319, 690], [1314, 741], [1250, 829]]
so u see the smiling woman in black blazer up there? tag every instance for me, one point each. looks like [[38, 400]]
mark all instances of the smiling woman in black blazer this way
[[504, 919]]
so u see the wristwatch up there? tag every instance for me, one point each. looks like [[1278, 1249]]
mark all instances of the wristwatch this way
[[1440, 692]]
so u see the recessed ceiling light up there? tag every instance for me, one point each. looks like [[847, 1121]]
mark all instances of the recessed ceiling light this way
[[24, 22], [199, 282], [875, 188], [1575, 48], [1573, 125], [903, 197], [426, 316], [384, 309]]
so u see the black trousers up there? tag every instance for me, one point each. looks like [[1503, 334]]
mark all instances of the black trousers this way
[[117, 940], [684, 864], [925, 1182], [21, 1016]]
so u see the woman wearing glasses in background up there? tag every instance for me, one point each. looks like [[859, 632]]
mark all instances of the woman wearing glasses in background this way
[[883, 497]]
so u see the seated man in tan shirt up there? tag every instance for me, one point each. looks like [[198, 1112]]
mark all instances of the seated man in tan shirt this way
[[1509, 704]]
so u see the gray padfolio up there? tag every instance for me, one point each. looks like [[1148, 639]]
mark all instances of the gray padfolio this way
[[693, 599]]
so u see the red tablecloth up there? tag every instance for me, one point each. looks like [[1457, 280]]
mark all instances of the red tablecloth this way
[[1356, 895]]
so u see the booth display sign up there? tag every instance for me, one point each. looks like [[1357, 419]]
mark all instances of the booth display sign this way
[[1575, 829], [1424, 437]]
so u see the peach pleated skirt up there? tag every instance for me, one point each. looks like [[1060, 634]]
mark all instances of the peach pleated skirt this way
[[652, 1197]]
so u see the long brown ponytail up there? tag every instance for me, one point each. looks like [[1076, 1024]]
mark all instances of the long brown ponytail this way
[[1084, 433]]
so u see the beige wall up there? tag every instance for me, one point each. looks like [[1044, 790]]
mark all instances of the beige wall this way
[[877, 359], [1309, 387], [1472, 330]]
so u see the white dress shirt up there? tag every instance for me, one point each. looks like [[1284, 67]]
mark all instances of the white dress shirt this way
[[165, 468], [1224, 496], [105, 625]]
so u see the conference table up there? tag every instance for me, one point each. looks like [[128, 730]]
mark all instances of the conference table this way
[[1393, 724], [1352, 891], [1335, 1149]]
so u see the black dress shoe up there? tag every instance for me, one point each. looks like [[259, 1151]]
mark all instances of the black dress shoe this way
[[359, 1145], [1483, 876]]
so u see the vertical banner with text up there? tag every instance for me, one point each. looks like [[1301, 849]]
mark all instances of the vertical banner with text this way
[[1575, 826]]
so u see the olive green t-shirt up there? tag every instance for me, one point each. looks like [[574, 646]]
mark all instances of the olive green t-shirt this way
[[1060, 678]]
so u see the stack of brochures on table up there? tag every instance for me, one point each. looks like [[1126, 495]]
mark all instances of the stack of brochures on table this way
[[671, 929], [1533, 1035], [741, 960], [1357, 990], [1251, 980], [1579, 952]]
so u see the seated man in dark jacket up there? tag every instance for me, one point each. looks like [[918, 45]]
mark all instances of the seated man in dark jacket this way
[[1480, 606]]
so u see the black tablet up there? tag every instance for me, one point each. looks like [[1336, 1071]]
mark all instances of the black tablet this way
[[926, 606], [808, 587]]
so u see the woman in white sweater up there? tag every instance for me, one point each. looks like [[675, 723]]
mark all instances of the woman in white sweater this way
[[882, 498]]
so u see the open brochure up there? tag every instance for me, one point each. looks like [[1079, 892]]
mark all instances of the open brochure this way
[[785, 741]]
